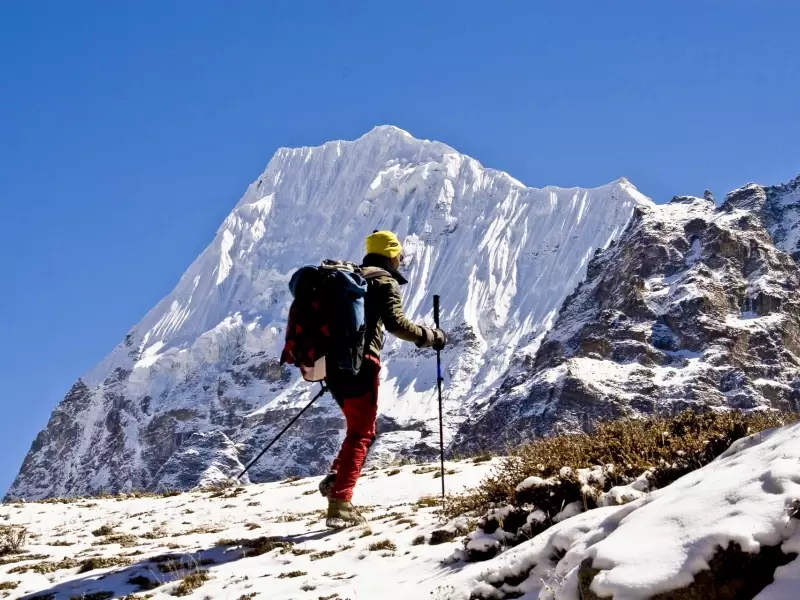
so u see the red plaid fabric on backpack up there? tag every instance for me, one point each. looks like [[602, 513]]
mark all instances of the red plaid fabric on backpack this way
[[307, 339]]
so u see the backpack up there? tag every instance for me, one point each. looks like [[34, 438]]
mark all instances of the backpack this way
[[326, 319]]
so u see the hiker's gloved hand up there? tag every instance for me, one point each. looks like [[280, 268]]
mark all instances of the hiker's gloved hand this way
[[439, 339]]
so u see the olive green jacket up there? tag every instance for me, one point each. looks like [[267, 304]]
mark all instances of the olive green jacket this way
[[383, 308]]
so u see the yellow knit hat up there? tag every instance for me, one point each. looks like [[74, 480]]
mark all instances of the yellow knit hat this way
[[384, 243]]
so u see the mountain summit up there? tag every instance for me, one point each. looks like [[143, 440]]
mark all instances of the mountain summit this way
[[195, 389]]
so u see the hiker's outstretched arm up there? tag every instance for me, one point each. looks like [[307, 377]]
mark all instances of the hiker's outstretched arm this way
[[396, 322]]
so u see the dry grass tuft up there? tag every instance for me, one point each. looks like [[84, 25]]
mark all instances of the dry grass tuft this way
[[481, 458], [102, 562], [126, 540], [172, 566], [438, 474], [428, 502], [418, 541], [190, 583], [425, 469], [9, 560], [669, 448], [292, 574], [382, 545], [14, 538], [106, 529], [44, 568], [393, 472]]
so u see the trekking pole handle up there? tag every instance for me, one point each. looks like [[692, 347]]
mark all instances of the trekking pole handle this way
[[436, 310]]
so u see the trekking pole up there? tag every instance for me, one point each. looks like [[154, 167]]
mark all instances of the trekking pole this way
[[439, 387], [285, 429]]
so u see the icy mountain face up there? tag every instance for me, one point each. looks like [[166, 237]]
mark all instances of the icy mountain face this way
[[693, 306], [195, 389]]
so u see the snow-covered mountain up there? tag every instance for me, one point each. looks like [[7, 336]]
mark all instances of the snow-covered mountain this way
[[195, 390], [693, 306]]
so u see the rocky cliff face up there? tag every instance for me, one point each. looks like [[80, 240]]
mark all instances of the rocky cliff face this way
[[195, 389], [693, 306]]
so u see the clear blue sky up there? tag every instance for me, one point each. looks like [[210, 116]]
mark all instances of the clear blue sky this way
[[128, 130]]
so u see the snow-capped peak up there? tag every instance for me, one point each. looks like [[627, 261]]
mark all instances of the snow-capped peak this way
[[501, 255]]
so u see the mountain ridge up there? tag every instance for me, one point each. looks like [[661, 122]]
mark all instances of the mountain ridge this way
[[202, 363]]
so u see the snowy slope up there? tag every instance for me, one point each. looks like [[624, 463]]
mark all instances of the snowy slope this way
[[204, 360], [690, 538], [733, 522], [154, 535]]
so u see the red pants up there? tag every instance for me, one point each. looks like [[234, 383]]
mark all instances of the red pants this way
[[360, 414]]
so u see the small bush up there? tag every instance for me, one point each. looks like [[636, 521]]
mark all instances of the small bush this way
[[418, 541], [669, 448], [8, 585], [438, 474], [428, 502], [292, 574], [393, 472], [190, 583], [14, 539], [366, 532], [106, 529], [322, 554], [125, 540], [481, 458], [424, 470], [102, 562], [308, 588], [382, 545], [442, 536]]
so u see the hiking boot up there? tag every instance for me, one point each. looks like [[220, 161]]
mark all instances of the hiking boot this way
[[342, 513], [326, 485]]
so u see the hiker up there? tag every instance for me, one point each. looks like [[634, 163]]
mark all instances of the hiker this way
[[357, 395]]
